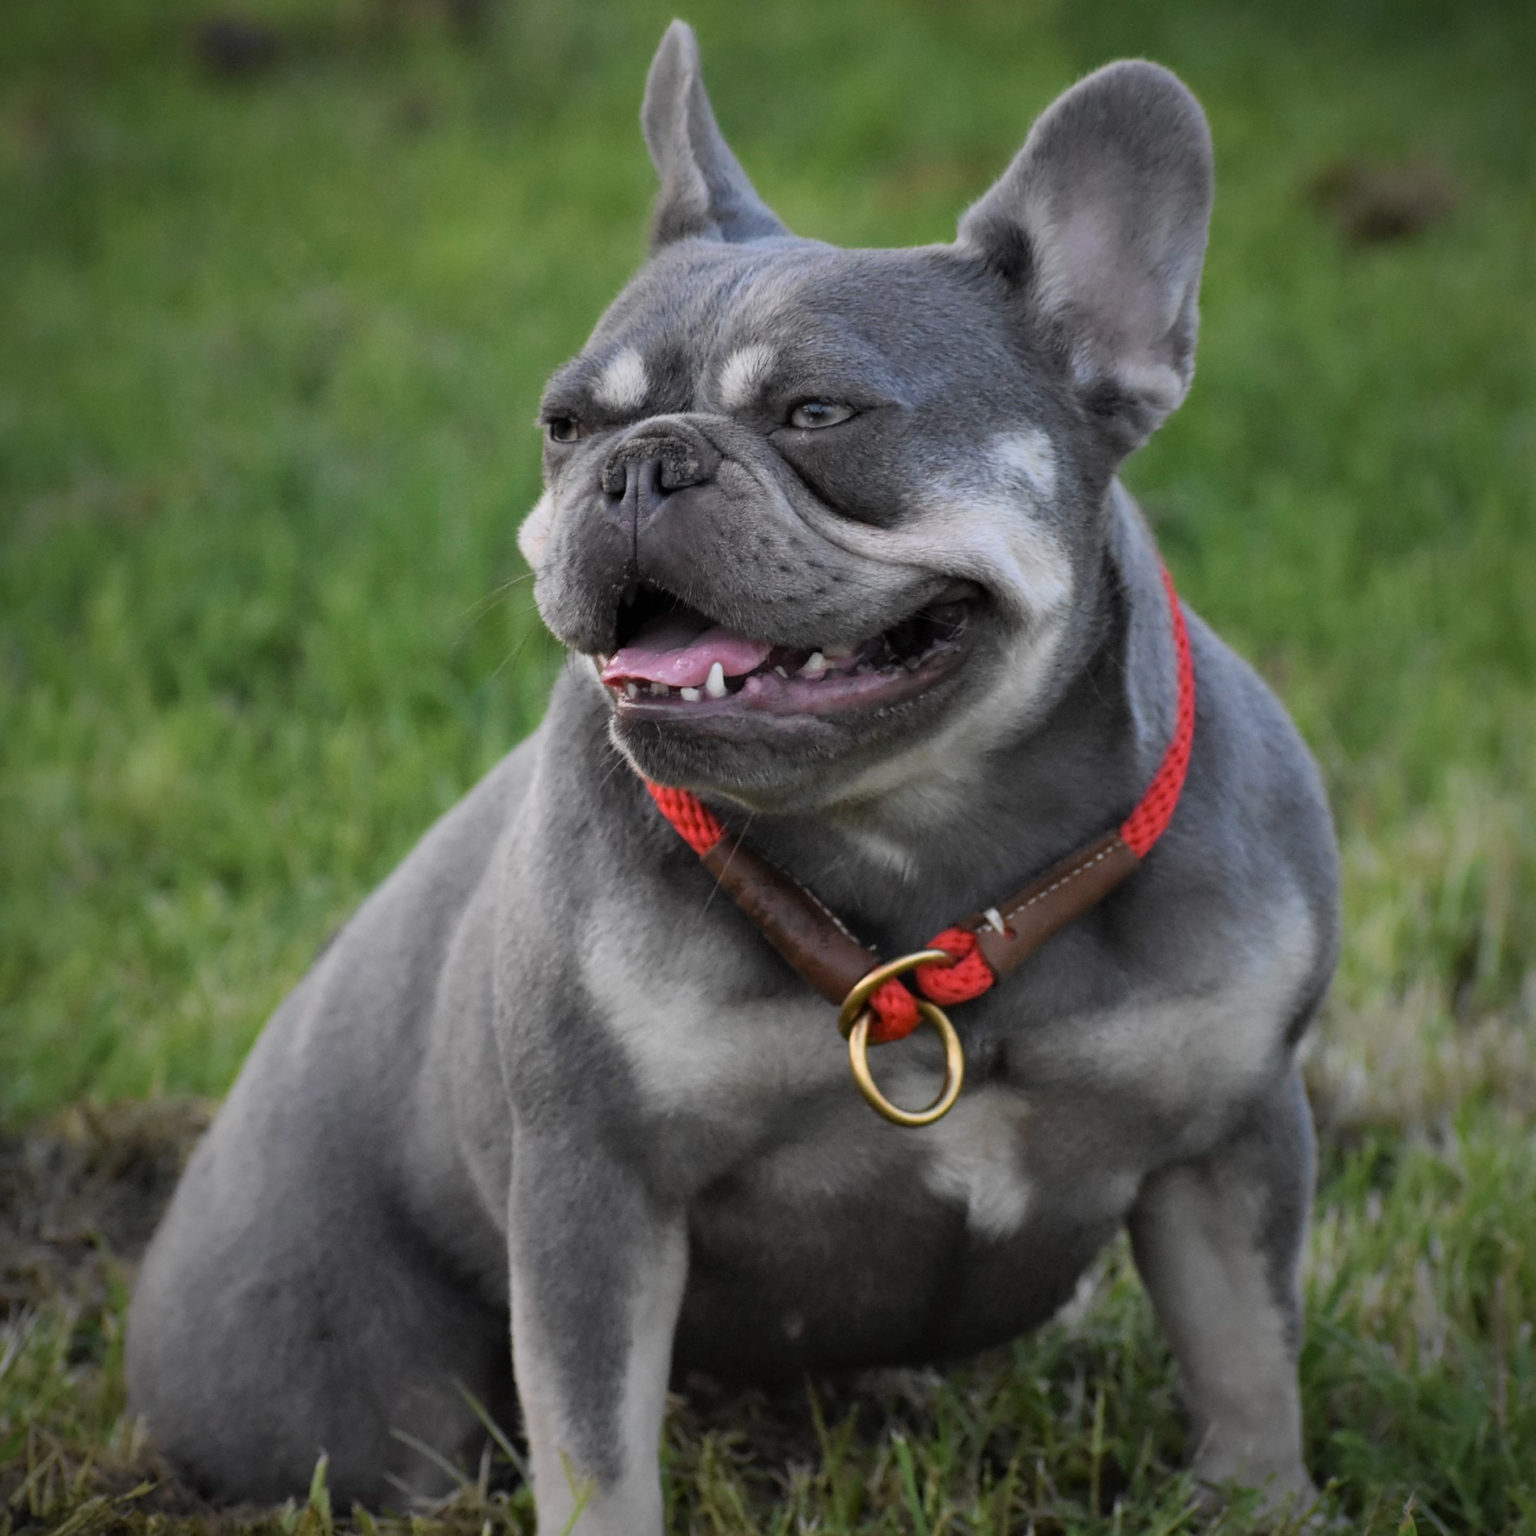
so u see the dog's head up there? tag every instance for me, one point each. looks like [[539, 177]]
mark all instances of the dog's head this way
[[815, 514]]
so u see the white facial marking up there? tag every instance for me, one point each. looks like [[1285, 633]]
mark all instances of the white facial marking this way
[[624, 383], [743, 374], [533, 535], [977, 1156], [1027, 455], [1044, 571]]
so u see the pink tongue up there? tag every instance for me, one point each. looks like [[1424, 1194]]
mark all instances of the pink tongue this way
[[675, 653]]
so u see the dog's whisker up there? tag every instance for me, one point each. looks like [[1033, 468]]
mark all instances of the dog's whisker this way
[[482, 608]]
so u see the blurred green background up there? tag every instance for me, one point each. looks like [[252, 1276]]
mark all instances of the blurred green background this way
[[279, 284]]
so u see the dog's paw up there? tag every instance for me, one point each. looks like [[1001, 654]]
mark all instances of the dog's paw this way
[[1285, 1503]]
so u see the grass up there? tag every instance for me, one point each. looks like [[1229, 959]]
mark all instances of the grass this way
[[269, 350]]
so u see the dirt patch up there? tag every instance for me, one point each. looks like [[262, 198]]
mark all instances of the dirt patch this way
[[80, 1195], [1372, 204]]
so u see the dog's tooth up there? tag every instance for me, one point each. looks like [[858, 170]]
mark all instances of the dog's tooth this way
[[714, 684], [659, 690], [815, 666], [631, 690], [691, 694], [782, 673]]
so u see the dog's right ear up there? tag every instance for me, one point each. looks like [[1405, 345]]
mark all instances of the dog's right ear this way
[[1099, 225], [704, 191]]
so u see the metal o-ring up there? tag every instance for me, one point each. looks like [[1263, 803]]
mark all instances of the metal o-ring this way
[[855, 1017], [954, 1068]]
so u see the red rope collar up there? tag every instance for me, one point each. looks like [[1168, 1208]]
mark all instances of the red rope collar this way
[[969, 975]]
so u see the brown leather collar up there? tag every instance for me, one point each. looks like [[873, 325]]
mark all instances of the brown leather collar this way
[[812, 939]]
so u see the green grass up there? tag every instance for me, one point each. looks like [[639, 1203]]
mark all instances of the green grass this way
[[269, 354]]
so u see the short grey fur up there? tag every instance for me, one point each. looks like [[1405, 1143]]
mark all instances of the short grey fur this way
[[547, 1085]]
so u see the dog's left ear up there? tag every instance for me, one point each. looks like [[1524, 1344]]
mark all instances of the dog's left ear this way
[[704, 191], [1101, 223]]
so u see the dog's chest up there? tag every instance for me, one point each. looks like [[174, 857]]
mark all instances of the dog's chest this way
[[850, 1240], [854, 1242]]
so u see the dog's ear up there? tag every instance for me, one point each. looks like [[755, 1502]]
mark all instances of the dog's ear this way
[[704, 191], [1101, 223]]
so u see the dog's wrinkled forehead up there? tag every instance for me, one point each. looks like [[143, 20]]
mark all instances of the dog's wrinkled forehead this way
[[725, 329]]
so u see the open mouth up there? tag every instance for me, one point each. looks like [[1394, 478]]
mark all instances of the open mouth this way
[[672, 657]]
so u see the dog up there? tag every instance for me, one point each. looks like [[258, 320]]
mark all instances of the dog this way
[[835, 541]]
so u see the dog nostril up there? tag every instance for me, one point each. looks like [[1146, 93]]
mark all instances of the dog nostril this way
[[637, 480], [650, 485]]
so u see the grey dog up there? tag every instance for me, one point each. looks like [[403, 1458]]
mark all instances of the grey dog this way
[[549, 1082]]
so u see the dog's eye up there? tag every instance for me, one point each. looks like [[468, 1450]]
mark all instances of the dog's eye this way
[[566, 429], [810, 414]]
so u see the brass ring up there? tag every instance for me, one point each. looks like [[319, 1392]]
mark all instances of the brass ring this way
[[855, 1017], [954, 1068]]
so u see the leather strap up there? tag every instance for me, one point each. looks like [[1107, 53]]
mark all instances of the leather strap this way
[[792, 919], [1045, 906], [827, 956]]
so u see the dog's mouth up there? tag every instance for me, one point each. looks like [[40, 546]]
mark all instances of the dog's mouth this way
[[673, 658]]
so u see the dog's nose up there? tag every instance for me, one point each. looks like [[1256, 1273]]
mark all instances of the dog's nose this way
[[644, 488], [642, 472]]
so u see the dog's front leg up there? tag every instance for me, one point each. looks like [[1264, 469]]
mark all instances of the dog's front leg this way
[[597, 1272], [1218, 1243]]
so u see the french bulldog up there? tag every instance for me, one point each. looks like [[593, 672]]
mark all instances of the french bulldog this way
[[836, 543]]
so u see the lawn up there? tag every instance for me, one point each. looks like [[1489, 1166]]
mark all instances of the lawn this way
[[275, 311]]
